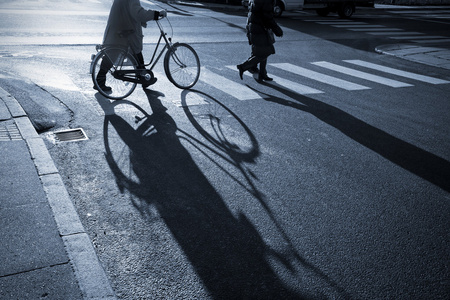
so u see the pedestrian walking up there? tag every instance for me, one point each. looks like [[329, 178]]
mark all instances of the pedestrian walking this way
[[124, 28], [261, 27]]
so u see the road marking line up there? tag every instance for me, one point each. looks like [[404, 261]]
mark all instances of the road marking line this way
[[432, 41], [367, 30], [406, 74], [415, 37], [238, 91], [418, 11], [54, 12], [343, 84], [290, 85], [363, 75], [394, 33], [358, 26], [338, 20], [340, 23], [294, 86]]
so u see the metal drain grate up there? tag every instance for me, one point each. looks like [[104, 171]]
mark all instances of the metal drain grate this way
[[71, 135]]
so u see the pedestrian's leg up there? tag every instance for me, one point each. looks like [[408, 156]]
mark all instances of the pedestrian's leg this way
[[105, 65], [141, 65], [263, 72], [250, 63], [140, 60]]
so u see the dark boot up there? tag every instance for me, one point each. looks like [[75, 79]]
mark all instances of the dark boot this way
[[262, 72], [101, 81], [262, 77], [241, 70]]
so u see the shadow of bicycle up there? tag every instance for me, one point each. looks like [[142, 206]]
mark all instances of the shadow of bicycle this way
[[226, 250]]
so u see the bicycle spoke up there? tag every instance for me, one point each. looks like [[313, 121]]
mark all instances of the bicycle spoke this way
[[182, 66]]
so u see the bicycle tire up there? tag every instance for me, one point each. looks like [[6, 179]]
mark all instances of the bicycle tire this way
[[182, 65], [114, 59]]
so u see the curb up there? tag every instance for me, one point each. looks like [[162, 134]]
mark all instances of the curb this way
[[432, 56], [91, 276]]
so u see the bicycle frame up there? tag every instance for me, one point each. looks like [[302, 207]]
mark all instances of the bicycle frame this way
[[168, 44], [122, 74]]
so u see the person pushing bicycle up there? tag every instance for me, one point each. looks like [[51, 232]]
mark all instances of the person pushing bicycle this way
[[124, 28]]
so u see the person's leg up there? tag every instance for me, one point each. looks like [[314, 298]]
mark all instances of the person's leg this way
[[263, 72], [250, 63], [140, 60], [141, 65], [105, 65]]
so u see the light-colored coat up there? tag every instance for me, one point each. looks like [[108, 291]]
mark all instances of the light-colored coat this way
[[127, 15]]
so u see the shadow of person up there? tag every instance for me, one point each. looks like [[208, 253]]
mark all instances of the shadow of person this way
[[411, 158], [225, 250]]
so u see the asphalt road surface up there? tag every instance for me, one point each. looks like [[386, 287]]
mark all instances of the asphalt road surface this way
[[332, 182]]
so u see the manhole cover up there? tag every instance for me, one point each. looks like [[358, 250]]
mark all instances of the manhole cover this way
[[71, 135]]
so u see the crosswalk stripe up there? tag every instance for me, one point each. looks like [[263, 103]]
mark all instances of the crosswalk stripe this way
[[424, 12], [291, 85], [340, 23], [406, 74], [432, 41], [357, 26], [374, 29], [395, 33], [363, 75], [238, 91], [415, 37], [350, 86], [337, 20], [294, 86]]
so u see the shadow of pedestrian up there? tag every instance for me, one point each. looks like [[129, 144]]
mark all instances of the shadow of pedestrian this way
[[225, 249], [411, 158]]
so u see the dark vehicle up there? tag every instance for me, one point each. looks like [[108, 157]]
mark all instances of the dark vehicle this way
[[344, 8]]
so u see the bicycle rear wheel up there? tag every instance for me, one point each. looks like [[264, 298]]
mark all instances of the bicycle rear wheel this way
[[107, 65], [182, 65]]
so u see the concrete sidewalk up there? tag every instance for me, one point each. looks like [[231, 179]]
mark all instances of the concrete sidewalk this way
[[45, 251], [437, 56]]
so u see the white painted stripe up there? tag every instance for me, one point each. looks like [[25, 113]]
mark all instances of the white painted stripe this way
[[432, 41], [394, 33], [337, 20], [423, 37], [238, 91], [294, 86], [374, 29], [405, 74], [54, 12], [343, 84], [363, 75], [340, 23], [291, 85], [358, 26], [423, 12]]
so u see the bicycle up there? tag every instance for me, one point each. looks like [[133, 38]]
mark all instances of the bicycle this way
[[181, 65]]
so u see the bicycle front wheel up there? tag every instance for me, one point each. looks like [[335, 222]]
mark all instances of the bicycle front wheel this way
[[112, 68], [182, 65]]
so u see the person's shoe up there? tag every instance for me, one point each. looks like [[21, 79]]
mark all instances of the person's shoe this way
[[151, 82], [241, 71], [262, 77], [104, 88]]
